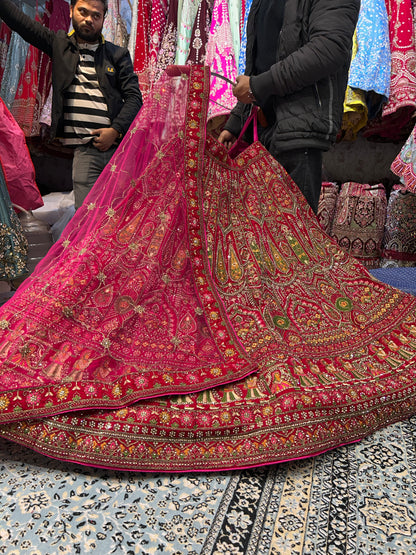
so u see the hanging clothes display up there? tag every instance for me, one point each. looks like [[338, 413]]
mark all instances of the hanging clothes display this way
[[17, 53], [194, 316], [141, 52], [187, 10], [157, 27], [55, 17], [221, 59], [399, 245], [23, 105], [16, 163], [5, 37], [369, 76], [234, 10], [168, 42], [114, 29], [200, 33], [404, 165], [13, 241], [242, 56], [396, 115]]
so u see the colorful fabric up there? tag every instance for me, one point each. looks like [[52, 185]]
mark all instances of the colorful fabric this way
[[243, 45], [159, 14], [327, 205], [371, 65], [167, 51], [16, 163], [221, 59], [13, 242], [396, 114], [23, 106], [404, 165], [403, 54], [358, 224], [55, 17], [195, 316], [200, 31], [141, 59], [399, 245], [355, 106], [5, 37], [235, 9], [16, 58], [187, 10]]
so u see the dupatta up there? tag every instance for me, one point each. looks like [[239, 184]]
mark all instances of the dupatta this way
[[195, 316]]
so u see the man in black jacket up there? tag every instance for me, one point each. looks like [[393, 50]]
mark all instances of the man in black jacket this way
[[297, 60], [96, 94]]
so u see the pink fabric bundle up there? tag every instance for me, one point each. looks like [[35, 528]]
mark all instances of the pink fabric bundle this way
[[17, 164]]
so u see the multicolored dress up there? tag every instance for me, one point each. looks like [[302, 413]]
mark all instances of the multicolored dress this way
[[194, 315]]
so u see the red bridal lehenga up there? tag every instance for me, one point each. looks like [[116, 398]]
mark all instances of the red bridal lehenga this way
[[194, 315]]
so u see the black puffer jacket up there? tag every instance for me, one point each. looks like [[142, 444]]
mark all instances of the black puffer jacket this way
[[303, 92], [113, 64]]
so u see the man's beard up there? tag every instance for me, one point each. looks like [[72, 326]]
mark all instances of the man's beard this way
[[86, 36]]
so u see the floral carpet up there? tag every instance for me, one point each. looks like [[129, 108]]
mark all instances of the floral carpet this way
[[359, 499]]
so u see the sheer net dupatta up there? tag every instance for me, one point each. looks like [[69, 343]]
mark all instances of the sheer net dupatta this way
[[117, 311]]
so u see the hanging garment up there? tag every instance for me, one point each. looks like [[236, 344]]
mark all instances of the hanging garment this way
[[399, 244], [200, 33], [404, 165], [243, 45], [358, 223], [187, 10], [112, 22], [133, 28], [167, 51], [17, 165], [13, 242], [158, 22], [194, 315], [221, 59], [235, 9], [327, 205], [396, 114], [5, 37], [370, 67], [55, 17], [141, 52], [23, 105], [16, 58]]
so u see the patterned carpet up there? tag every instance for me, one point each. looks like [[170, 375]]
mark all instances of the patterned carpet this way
[[358, 499]]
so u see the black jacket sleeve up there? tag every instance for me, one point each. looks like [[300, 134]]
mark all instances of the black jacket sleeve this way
[[331, 25], [30, 30]]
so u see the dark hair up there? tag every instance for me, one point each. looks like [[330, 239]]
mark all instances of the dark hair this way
[[104, 2]]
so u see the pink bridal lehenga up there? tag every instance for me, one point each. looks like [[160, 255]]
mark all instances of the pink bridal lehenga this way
[[194, 315]]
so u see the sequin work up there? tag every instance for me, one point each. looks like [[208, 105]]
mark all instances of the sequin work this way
[[257, 337]]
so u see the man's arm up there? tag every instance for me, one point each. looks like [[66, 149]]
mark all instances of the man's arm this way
[[130, 91], [331, 28], [30, 30]]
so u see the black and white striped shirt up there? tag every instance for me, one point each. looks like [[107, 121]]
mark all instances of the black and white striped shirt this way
[[85, 108]]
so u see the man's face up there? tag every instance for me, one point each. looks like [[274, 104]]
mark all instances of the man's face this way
[[87, 20]]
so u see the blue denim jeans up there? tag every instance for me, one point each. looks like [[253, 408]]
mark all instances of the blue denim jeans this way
[[304, 165]]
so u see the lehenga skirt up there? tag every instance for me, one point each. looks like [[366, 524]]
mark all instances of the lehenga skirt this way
[[195, 316]]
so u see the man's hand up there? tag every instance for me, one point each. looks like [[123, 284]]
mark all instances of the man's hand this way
[[105, 138], [226, 138], [242, 90]]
